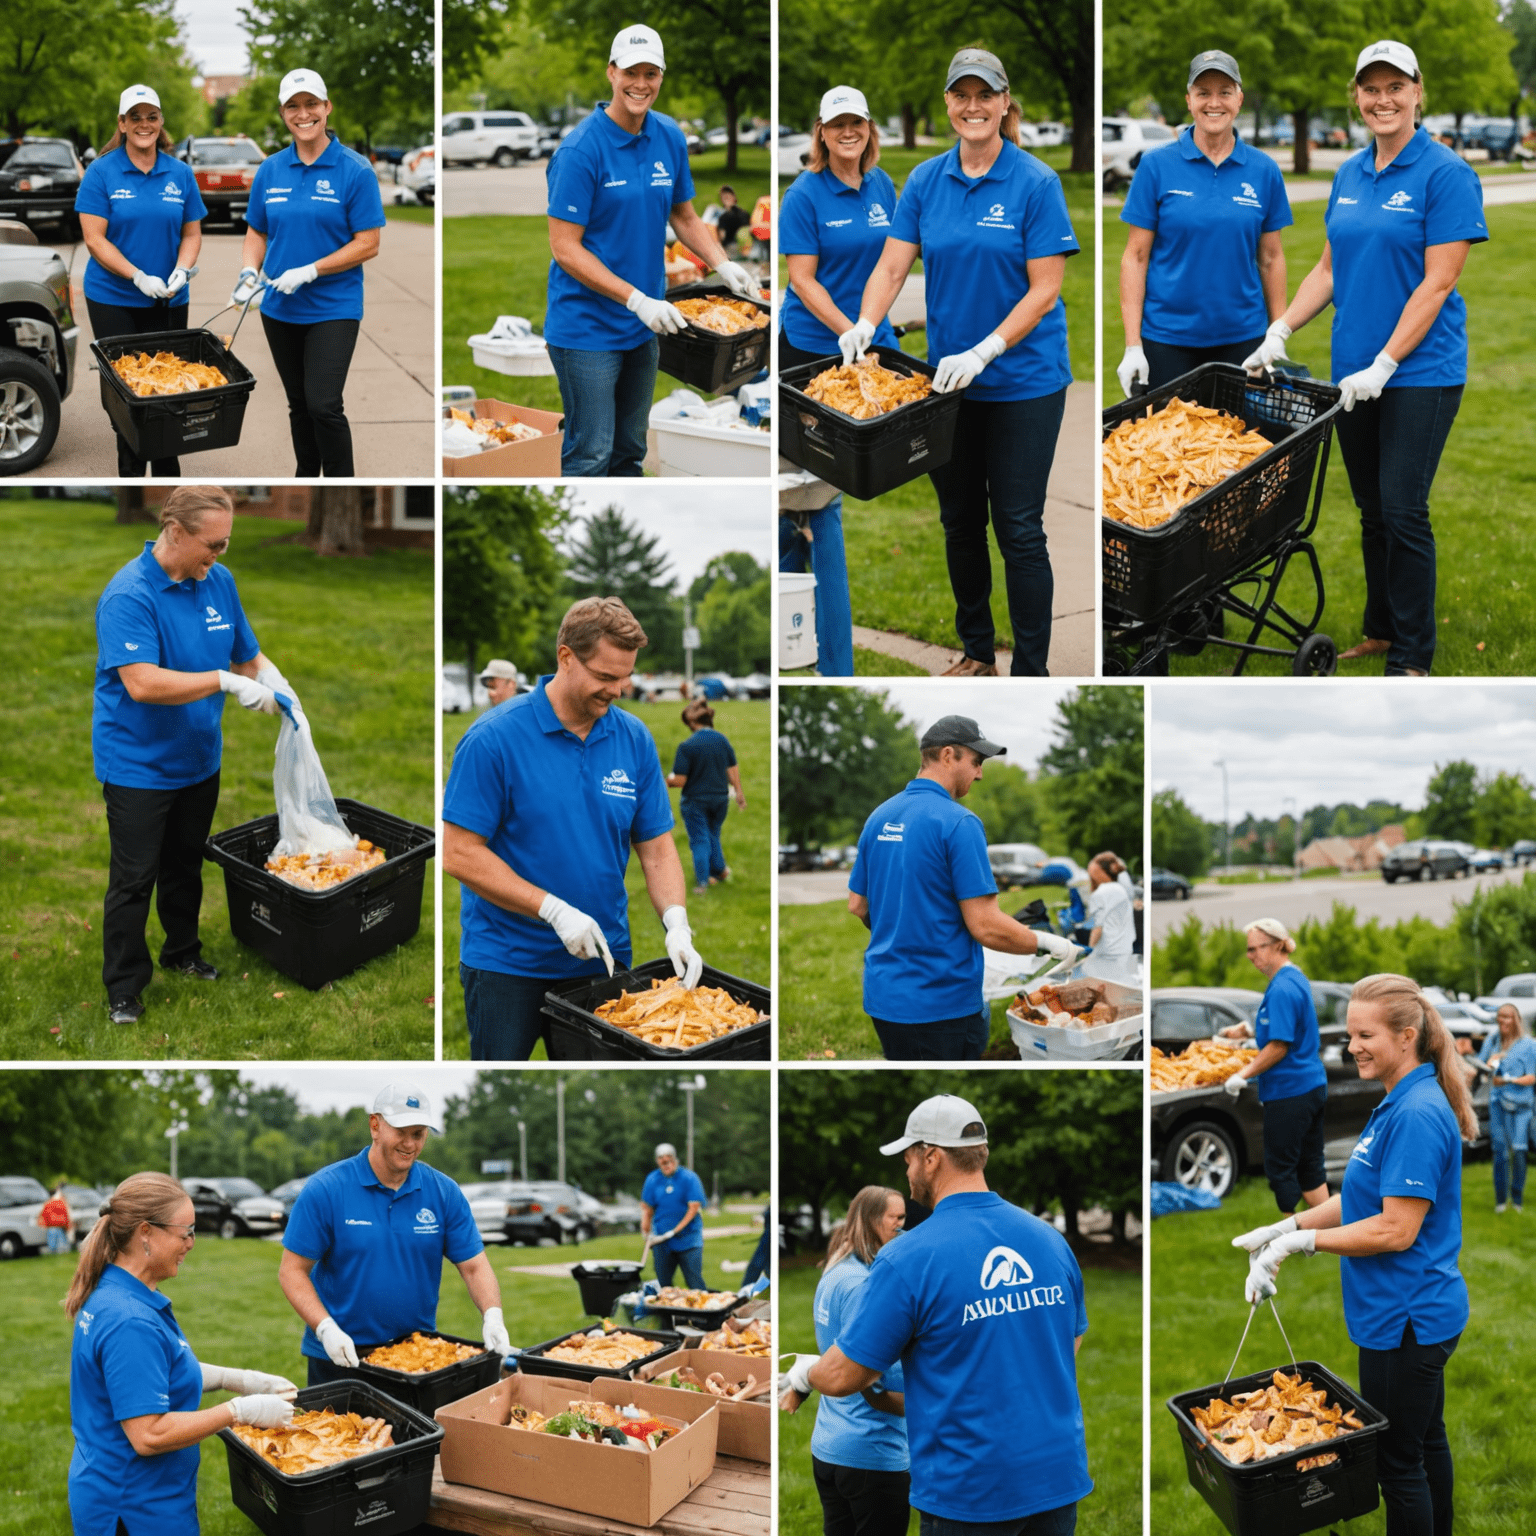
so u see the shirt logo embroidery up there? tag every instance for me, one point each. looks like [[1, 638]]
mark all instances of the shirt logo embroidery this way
[[214, 616], [85, 1320], [119, 193], [1351, 200], [840, 223], [1398, 200], [877, 214], [1003, 1266], [619, 183], [130, 645], [352, 1221], [1179, 192], [618, 784], [661, 169], [891, 832], [322, 185], [426, 1215], [1362, 1147], [1248, 189]]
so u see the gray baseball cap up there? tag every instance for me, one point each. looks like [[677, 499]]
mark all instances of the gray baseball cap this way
[[939, 1122], [977, 61], [961, 731], [1213, 58], [498, 666]]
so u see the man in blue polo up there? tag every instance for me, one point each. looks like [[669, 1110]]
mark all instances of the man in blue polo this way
[[923, 886], [670, 1203], [546, 797], [983, 1305], [364, 1247]]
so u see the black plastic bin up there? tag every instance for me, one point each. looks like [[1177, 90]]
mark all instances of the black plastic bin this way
[[163, 426], [1273, 1497], [602, 1283], [427, 1391], [866, 458], [703, 360], [318, 936], [384, 1493], [577, 1034], [533, 1362], [693, 1317]]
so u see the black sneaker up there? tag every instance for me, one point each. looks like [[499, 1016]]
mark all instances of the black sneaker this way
[[125, 1010], [198, 970]]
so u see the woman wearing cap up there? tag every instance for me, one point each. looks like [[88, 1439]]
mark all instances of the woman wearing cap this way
[[1396, 1226], [1203, 271], [1402, 217], [1511, 1053], [314, 218], [1289, 1071], [135, 1385], [991, 225], [140, 214], [614, 184]]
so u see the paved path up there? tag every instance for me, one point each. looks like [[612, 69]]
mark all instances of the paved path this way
[[808, 888], [488, 189]]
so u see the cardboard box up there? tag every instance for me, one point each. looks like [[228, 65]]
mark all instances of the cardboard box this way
[[745, 1428], [537, 459], [482, 1450]]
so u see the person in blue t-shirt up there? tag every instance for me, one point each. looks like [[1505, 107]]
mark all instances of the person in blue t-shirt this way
[[1511, 1054], [615, 184], [1396, 1226], [923, 886], [991, 225], [1289, 1071], [135, 1385], [549, 793], [1203, 272], [671, 1203], [141, 219], [313, 219], [1403, 216], [364, 1247], [171, 640], [982, 1305], [705, 769]]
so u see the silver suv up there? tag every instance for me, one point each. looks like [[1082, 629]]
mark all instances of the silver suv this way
[[502, 138], [37, 347]]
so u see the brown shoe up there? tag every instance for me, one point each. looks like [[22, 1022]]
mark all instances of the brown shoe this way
[[1366, 648], [968, 666]]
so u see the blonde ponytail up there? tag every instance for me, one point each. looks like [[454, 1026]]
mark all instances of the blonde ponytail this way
[[1404, 1006], [1010, 126], [141, 1197]]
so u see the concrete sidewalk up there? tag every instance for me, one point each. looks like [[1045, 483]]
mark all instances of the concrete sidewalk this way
[[467, 190], [388, 394]]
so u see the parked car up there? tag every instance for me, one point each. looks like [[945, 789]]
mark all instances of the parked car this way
[[549, 142], [1122, 143], [234, 1207], [417, 171], [459, 694], [1500, 136], [1168, 886], [1015, 864], [288, 1192], [1051, 134], [1424, 859], [38, 183], [38, 337], [497, 138], [1519, 989], [622, 1214], [1484, 859], [515, 1212], [21, 1202], [224, 170], [791, 154], [1523, 851]]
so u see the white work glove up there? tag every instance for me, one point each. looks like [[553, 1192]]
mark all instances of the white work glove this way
[[270, 677], [1134, 369], [494, 1332], [739, 280], [1054, 945], [956, 371], [1264, 1266], [294, 278], [581, 935], [686, 960], [798, 1375], [149, 285], [337, 1345], [853, 344], [1271, 350], [226, 1378], [247, 287], [261, 1412], [248, 692], [656, 314], [1257, 1238], [1235, 1084], [1368, 383], [179, 279]]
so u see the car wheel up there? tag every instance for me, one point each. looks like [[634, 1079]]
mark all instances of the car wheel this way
[[1203, 1157], [1390, 879], [505, 157], [10, 1246], [229, 1228], [30, 411], [1183, 893], [585, 1234]]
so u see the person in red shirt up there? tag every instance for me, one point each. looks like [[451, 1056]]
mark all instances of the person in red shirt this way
[[57, 1221]]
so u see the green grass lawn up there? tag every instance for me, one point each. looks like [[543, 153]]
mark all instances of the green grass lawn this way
[[232, 1313], [410, 213], [1482, 493], [1108, 1378], [355, 639], [1198, 1314], [730, 921], [821, 980]]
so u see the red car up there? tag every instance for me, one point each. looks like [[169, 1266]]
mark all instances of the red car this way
[[225, 169]]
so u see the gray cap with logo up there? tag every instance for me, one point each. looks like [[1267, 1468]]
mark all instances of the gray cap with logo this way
[[1213, 58], [961, 731], [977, 61], [403, 1106]]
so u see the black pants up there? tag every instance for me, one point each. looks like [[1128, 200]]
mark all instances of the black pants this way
[[1166, 362], [943, 1040], [157, 840], [1413, 1455], [1061, 1521], [134, 320], [312, 361], [1293, 1146], [857, 1502]]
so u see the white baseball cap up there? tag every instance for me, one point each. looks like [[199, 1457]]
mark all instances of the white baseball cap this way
[[637, 45], [665, 1149], [297, 80], [403, 1106], [136, 96], [841, 99], [1398, 55], [940, 1122], [499, 666]]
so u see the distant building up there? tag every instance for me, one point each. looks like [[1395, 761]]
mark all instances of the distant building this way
[[217, 88], [1351, 853]]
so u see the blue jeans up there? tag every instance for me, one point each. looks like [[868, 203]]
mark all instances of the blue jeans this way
[[58, 1239], [829, 565], [1167, 362], [607, 400], [1509, 1130], [503, 1013], [943, 1040], [668, 1260], [1391, 447], [998, 473], [1049, 1522], [704, 822]]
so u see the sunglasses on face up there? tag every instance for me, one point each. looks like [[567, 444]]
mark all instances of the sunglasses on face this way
[[186, 1234]]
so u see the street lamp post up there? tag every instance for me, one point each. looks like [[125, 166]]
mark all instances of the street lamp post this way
[[1290, 800], [173, 1131], [1226, 819], [560, 1128], [689, 1089], [522, 1142]]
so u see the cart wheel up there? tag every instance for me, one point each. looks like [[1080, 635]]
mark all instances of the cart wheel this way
[[1195, 626], [1317, 656]]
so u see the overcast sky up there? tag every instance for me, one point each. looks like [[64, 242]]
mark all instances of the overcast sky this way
[[215, 38], [696, 522], [1020, 716], [339, 1088], [1322, 743]]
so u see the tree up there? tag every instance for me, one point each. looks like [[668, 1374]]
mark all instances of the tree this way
[[1097, 759], [1464, 50], [1505, 811], [731, 601], [1450, 801], [130, 506], [1520, 19], [1009, 804], [474, 31], [610, 556], [1180, 839], [336, 520]]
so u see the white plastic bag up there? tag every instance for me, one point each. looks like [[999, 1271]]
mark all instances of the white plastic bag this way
[[307, 819]]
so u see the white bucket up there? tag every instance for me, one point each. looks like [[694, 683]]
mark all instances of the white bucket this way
[[797, 621]]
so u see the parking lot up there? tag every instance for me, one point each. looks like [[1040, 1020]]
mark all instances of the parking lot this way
[[487, 189]]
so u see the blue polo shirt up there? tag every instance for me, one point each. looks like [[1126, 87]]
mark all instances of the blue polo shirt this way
[[379, 1252], [977, 235], [920, 855], [562, 812], [1203, 287], [310, 211], [621, 188], [849, 1432], [704, 758], [982, 1304], [144, 211], [128, 1359], [1379, 223], [1411, 1146], [1286, 1014], [668, 1198], [844, 228], [185, 626], [1517, 1061]]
